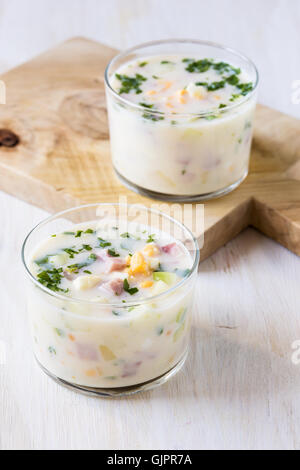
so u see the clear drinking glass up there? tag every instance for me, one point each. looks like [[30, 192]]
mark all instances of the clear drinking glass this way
[[149, 148], [140, 346]]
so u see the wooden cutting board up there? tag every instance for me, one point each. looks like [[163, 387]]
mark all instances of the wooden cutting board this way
[[54, 149]]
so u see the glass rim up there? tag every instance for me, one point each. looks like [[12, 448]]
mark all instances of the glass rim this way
[[203, 113], [119, 305]]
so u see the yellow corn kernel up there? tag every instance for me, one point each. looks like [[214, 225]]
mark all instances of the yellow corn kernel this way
[[169, 105], [151, 92], [166, 86], [107, 353], [128, 260], [146, 284], [138, 264], [151, 250], [91, 373]]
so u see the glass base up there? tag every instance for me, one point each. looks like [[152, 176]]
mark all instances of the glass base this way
[[179, 198], [120, 391]]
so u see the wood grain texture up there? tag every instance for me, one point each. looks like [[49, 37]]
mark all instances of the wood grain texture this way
[[56, 107]]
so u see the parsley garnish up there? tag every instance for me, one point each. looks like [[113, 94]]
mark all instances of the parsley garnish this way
[[42, 261], [74, 268], [103, 243], [89, 230], [52, 350], [143, 64], [112, 252], [70, 252], [79, 233], [146, 105], [51, 279], [151, 239], [131, 83], [153, 117], [127, 288], [125, 235]]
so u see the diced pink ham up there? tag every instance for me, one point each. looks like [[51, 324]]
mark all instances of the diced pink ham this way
[[116, 286], [69, 276], [115, 264], [131, 368], [111, 263], [172, 249], [86, 352]]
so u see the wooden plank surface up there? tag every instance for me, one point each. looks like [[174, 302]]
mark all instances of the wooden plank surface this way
[[56, 113]]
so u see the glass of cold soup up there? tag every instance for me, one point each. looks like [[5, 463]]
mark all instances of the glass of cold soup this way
[[110, 295], [181, 118]]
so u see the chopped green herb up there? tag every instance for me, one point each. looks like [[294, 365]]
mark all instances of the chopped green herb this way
[[79, 233], [163, 62], [183, 172], [173, 123], [199, 66], [216, 85], [112, 252], [234, 97], [89, 231], [221, 106], [116, 313], [103, 243], [211, 117], [160, 331], [145, 105], [75, 268], [53, 236], [125, 235], [232, 80], [153, 117], [69, 233], [86, 248], [42, 261], [131, 83], [151, 239], [127, 288], [201, 84], [52, 351], [87, 272], [70, 252], [245, 88], [59, 332], [187, 60], [143, 64], [155, 77], [51, 279]]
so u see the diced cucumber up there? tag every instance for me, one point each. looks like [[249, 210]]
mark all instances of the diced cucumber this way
[[168, 278]]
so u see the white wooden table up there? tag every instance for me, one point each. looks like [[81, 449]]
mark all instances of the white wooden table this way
[[240, 388]]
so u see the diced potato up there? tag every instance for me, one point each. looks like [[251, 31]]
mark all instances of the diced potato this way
[[86, 282], [197, 92], [59, 260], [159, 287], [153, 264]]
